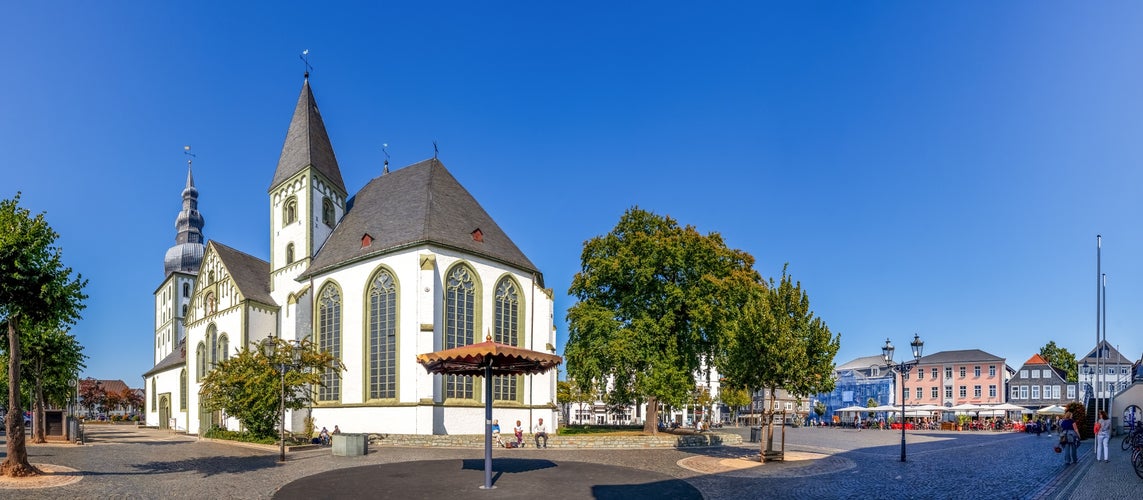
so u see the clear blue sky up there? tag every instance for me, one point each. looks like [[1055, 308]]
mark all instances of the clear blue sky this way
[[939, 169]]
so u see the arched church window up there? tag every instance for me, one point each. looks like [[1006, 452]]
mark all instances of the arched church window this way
[[223, 348], [211, 346], [184, 310], [327, 213], [154, 395], [460, 325], [183, 389], [290, 211], [186, 290], [382, 336], [329, 340], [507, 331], [290, 253], [200, 362]]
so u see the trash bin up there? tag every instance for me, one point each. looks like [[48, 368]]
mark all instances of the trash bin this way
[[348, 445], [755, 434]]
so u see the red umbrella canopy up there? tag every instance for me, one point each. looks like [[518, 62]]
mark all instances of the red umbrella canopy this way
[[474, 358]]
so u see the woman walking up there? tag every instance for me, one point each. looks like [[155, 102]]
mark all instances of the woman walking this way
[[1102, 435], [1069, 438]]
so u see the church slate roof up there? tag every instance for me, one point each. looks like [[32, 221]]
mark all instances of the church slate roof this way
[[175, 359], [418, 204], [307, 143], [251, 275]]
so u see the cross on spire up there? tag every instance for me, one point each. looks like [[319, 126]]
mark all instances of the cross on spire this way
[[305, 57]]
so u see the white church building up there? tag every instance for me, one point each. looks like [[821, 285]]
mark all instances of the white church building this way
[[409, 264]]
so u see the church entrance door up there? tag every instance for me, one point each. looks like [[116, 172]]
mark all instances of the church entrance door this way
[[164, 412]]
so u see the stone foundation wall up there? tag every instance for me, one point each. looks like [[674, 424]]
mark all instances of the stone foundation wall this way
[[661, 440]]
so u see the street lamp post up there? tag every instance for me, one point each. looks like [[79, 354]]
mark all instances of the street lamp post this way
[[270, 350], [903, 368]]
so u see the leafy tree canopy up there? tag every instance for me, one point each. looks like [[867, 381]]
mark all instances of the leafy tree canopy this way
[[776, 341], [248, 385], [35, 289], [1061, 359], [648, 294]]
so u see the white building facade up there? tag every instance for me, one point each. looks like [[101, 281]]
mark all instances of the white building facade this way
[[409, 264]]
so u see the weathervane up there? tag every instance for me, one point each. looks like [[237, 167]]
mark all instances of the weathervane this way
[[305, 57], [190, 155], [385, 149], [435, 150]]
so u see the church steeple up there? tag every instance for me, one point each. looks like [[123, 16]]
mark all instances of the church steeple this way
[[186, 254], [307, 144]]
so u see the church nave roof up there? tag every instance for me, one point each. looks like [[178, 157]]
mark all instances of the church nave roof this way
[[421, 203]]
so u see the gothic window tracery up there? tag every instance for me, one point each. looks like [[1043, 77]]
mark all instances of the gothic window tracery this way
[[329, 340], [507, 331], [460, 325], [382, 336]]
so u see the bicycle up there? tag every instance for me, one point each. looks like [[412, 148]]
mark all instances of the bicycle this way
[[1133, 437], [1137, 459]]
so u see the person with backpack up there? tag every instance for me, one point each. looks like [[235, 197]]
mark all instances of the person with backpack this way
[[1069, 438]]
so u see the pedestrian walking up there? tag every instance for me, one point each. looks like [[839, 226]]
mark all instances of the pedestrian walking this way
[[1102, 435], [1069, 438]]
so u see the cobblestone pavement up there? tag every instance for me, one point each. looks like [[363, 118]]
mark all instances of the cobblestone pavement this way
[[123, 462]]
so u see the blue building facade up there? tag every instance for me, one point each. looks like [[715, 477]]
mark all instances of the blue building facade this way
[[857, 382]]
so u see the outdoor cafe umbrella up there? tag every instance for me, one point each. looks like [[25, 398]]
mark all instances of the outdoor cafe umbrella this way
[[1052, 410], [488, 359]]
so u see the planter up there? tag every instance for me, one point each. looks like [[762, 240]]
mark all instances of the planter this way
[[348, 445]]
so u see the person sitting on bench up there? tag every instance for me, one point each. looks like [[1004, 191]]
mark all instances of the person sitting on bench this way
[[541, 431]]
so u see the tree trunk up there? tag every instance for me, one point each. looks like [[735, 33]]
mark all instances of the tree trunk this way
[[651, 422], [769, 414], [16, 463], [39, 433]]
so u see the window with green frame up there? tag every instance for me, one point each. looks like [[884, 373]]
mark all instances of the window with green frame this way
[[382, 336], [200, 362], [507, 331], [154, 395], [329, 340], [183, 389], [460, 325]]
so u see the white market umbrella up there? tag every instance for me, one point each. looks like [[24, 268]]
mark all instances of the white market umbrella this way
[[1007, 407], [966, 407], [924, 408], [1052, 410], [848, 409]]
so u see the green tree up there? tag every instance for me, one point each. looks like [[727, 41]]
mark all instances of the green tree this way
[[644, 322], [248, 385], [35, 289], [1061, 359], [735, 398], [777, 342], [51, 358], [819, 409]]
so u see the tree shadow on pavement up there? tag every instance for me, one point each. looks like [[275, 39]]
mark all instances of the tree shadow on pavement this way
[[509, 465], [209, 466], [675, 489]]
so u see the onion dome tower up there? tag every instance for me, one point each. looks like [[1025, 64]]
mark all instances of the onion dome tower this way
[[186, 255]]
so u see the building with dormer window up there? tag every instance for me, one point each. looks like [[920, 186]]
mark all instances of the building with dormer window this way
[[409, 264]]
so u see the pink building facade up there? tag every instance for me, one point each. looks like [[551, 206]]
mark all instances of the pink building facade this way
[[950, 378]]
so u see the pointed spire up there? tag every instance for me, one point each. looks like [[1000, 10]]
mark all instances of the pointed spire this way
[[186, 254], [307, 144]]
